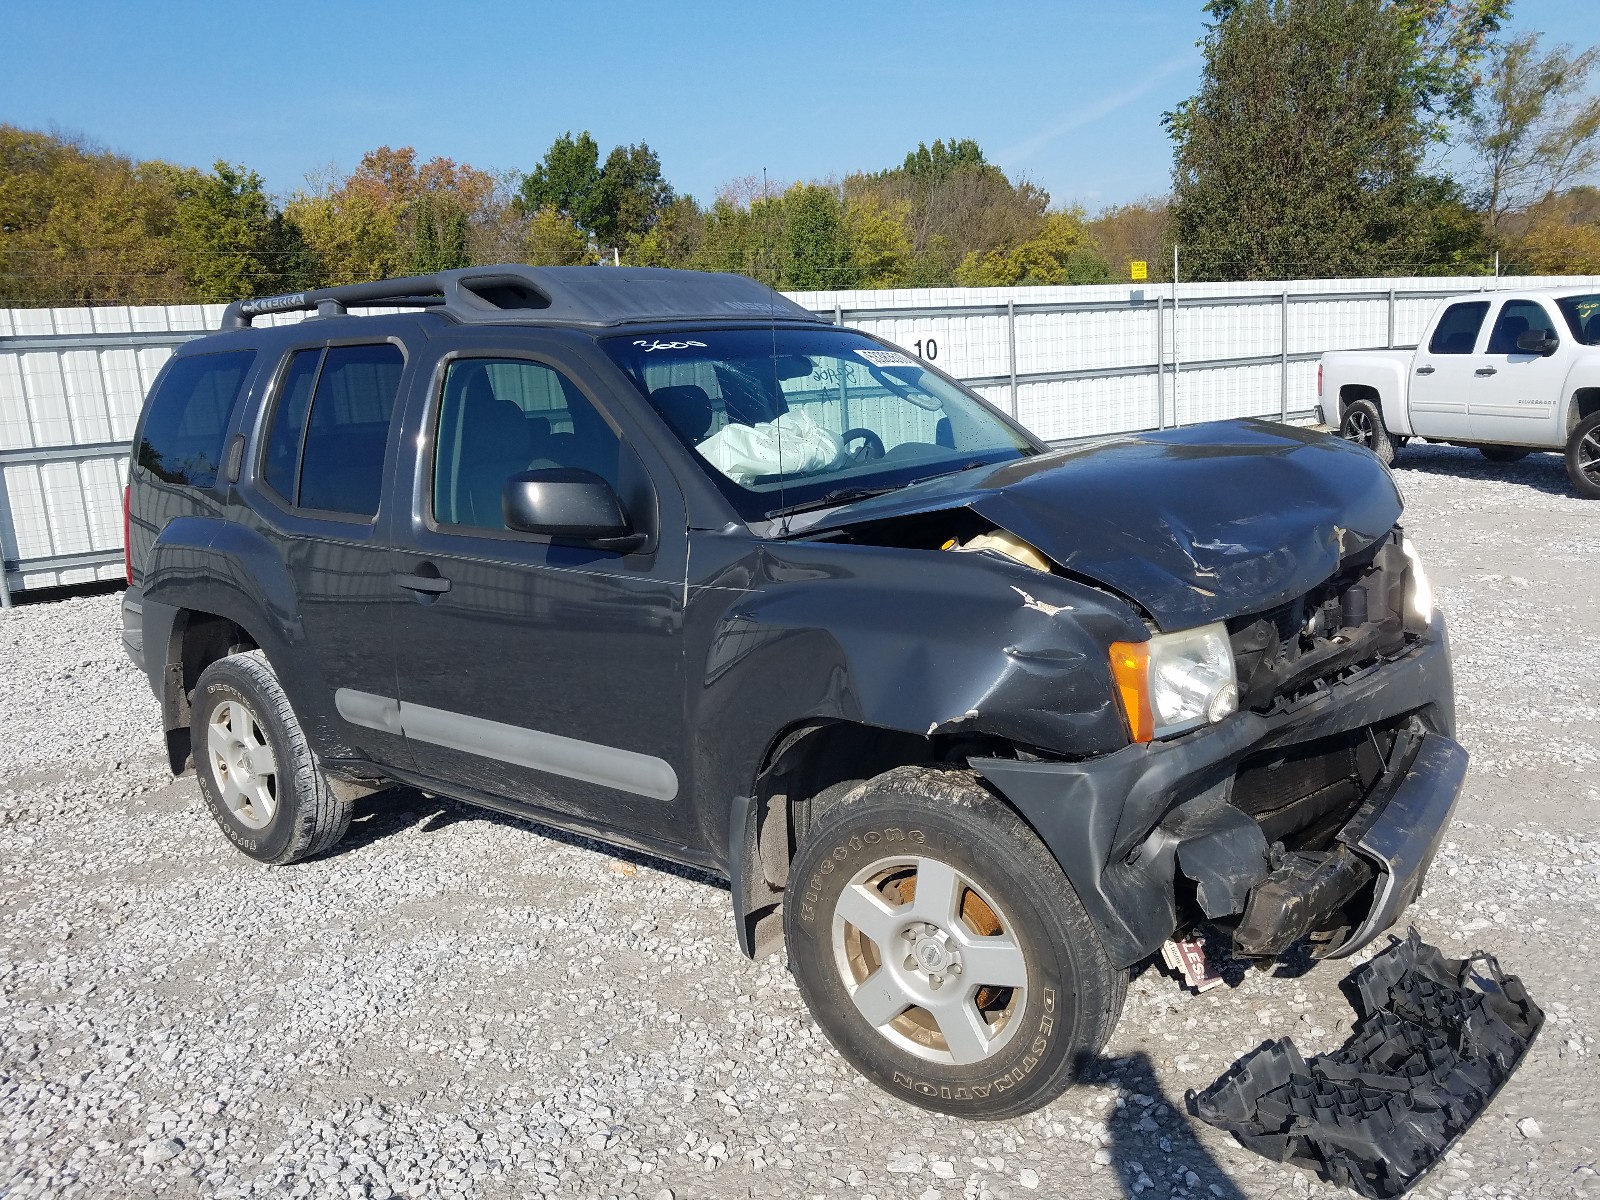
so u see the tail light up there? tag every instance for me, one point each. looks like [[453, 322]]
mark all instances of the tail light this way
[[127, 542], [1319, 381]]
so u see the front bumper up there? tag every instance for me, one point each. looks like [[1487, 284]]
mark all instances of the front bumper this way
[[1123, 826]]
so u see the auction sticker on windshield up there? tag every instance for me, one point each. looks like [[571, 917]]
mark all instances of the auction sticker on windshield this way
[[887, 358]]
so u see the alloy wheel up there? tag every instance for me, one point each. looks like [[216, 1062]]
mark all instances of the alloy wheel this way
[[246, 770], [930, 960]]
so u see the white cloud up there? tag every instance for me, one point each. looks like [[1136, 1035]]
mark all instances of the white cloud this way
[[1014, 155]]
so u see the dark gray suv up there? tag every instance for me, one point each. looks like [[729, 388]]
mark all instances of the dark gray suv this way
[[971, 725]]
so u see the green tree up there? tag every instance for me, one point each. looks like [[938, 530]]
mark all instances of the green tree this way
[[880, 242], [941, 160], [817, 254], [438, 234], [1534, 129], [229, 234], [566, 180], [1301, 154], [554, 240], [630, 197], [1062, 252], [674, 239]]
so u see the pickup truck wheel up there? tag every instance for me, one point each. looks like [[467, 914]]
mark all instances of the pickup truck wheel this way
[[941, 949], [1583, 457], [1363, 424], [1503, 454], [258, 774]]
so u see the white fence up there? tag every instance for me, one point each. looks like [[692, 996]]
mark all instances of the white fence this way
[[1068, 361]]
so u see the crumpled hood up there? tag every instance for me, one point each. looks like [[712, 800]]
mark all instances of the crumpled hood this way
[[1194, 524]]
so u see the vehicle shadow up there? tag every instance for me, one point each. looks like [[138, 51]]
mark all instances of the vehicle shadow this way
[[394, 809], [1542, 471], [1154, 1148]]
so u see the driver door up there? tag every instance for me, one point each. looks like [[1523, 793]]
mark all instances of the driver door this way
[[543, 672], [1514, 394]]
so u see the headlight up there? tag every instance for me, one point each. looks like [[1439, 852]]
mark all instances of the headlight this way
[[1175, 681], [1419, 596]]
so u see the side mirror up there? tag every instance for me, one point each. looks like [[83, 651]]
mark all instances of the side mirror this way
[[1536, 342], [565, 502]]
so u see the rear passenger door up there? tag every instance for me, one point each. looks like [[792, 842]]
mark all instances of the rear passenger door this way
[[544, 672], [324, 448], [1442, 379]]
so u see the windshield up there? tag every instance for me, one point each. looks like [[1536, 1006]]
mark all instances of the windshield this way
[[1583, 317], [785, 419]]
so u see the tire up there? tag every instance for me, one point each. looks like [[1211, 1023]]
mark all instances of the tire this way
[[1583, 457], [1363, 424], [987, 886], [1503, 454], [257, 772]]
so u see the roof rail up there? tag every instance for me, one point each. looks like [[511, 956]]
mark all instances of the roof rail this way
[[580, 296]]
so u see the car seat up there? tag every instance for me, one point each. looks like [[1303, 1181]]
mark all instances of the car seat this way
[[687, 409], [492, 440]]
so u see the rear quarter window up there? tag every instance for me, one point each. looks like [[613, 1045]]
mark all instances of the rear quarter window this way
[[186, 420]]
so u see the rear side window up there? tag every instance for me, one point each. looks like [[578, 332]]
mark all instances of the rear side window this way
[[1457, 331], [330, 428], [1517, 318], [186, 421]]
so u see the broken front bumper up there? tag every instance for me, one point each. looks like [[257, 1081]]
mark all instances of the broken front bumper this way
[[1125, 825]]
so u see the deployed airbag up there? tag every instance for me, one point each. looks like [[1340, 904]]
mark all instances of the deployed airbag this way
[[795, 443]]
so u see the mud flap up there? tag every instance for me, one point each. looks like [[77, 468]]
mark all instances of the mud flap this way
[[1435, 1041]]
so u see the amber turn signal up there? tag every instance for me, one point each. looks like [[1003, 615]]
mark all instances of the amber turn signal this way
[[1130, 668]]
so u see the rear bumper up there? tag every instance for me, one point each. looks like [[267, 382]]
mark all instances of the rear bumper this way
[[133, 625], [1123, 826]]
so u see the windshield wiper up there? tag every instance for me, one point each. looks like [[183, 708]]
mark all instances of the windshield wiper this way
[[842, 496], [846, 495]]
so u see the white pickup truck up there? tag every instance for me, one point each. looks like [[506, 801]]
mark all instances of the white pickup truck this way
[[1508, 372]]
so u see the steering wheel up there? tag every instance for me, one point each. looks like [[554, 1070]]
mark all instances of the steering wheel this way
[[871, 445]]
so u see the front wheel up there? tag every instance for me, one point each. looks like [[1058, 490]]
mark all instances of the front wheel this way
[[1504, 454], [1363, 425], [1583, 457], [943, 952]]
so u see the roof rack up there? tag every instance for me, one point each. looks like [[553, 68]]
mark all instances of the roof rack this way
[[577, 296]]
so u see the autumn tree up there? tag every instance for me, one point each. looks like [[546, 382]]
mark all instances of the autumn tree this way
[[81, 225], [393, 216]]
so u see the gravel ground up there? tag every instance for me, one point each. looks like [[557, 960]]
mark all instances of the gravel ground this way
[[459, 1004]]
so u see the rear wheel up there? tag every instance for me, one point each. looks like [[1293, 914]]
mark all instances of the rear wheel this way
[[1504, 454], [1363, 425], [259, 777], [1583, 457], [942, 951]]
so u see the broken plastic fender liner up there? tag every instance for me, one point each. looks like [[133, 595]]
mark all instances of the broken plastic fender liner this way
[[1436, 1039]]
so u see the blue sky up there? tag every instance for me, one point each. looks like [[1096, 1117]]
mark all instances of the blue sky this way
[[1068, 93]]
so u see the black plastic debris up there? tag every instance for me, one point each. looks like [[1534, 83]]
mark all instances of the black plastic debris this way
[[1435, 1041]]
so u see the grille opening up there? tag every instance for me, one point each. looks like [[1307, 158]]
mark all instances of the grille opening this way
[[1303, 795]]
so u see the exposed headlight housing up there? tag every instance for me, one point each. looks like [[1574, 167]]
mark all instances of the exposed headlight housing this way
[[1175, 681], [1419, 595]]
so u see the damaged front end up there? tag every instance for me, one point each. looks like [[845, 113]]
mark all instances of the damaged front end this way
[[1312, 813]]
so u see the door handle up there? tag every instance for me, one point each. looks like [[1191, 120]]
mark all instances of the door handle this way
[[1484, 371], [1424, 370], [432, 584]]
